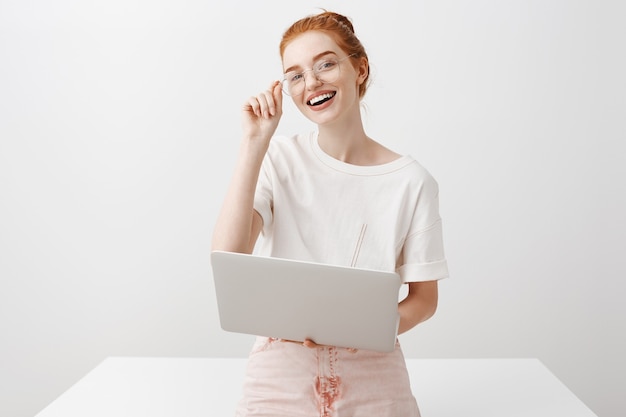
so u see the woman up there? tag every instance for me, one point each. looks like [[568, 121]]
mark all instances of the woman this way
[[332, 196]]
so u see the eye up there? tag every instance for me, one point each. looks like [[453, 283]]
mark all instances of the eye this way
[[293, 77], [326, 65]]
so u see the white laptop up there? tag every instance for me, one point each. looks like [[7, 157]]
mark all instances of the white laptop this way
[[296, 300]]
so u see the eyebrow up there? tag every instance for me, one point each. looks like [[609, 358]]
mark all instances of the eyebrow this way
[[315, 58]]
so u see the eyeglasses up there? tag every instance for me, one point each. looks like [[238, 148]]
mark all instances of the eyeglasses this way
[[326, 70]]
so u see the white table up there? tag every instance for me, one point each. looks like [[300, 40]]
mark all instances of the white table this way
[[190, 387]]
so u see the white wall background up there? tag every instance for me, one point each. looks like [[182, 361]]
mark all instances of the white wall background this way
[[119, 124]]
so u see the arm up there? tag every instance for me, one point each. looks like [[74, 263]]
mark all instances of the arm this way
[[238, 224], [419, 305]]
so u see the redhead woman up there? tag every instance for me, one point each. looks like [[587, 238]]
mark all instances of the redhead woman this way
[[332, 195]]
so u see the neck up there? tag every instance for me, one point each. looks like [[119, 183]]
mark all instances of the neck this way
[[345, 139]]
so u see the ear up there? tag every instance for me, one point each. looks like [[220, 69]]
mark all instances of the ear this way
[[363, 71]]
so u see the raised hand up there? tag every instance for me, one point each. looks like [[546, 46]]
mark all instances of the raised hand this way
[[262, 113]]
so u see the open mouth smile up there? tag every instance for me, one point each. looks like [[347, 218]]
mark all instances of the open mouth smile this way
[[322, 98]]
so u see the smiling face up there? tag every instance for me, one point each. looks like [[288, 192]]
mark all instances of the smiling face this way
[[324, 98]]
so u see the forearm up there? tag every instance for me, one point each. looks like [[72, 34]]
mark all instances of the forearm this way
[[233, 229], [418, 306]]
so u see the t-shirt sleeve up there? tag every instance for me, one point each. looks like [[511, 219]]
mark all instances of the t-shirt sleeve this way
[[422, 256]]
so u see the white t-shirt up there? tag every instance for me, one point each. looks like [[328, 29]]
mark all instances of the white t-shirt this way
[[317, 208]]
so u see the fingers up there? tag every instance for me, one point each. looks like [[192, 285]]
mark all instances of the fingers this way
[[307, 342], [289, 341], [260, 106], [268, 103], [277, 90], [311, 344]]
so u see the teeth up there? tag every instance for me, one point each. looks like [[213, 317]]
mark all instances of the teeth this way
[[321, 97]]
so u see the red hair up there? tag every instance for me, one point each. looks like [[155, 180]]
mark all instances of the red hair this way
[[339, 28]]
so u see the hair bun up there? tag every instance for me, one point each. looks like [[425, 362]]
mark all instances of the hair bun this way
[[339, 18]]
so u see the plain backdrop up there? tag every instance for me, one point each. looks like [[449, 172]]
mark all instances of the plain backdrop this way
[[120, 123]]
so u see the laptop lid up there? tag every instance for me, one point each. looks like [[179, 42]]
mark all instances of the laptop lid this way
[[296, 300]]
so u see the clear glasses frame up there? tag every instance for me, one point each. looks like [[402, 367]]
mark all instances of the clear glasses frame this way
[[326, 70]]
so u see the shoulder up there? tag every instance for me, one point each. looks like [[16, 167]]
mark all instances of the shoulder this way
[[284, 144], [286, 152], [421, 180], [414, 169]]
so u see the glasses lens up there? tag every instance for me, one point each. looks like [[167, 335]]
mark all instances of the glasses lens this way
[[326, 71], [293, 83]]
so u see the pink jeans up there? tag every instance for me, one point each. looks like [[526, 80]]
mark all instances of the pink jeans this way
[[286, 379]]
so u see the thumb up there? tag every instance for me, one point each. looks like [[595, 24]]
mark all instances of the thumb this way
[[277, 92]]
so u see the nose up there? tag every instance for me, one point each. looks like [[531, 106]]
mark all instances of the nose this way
[[311, 80]]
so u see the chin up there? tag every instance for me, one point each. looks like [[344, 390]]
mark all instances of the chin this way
[[321, 118], [320, 121]]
